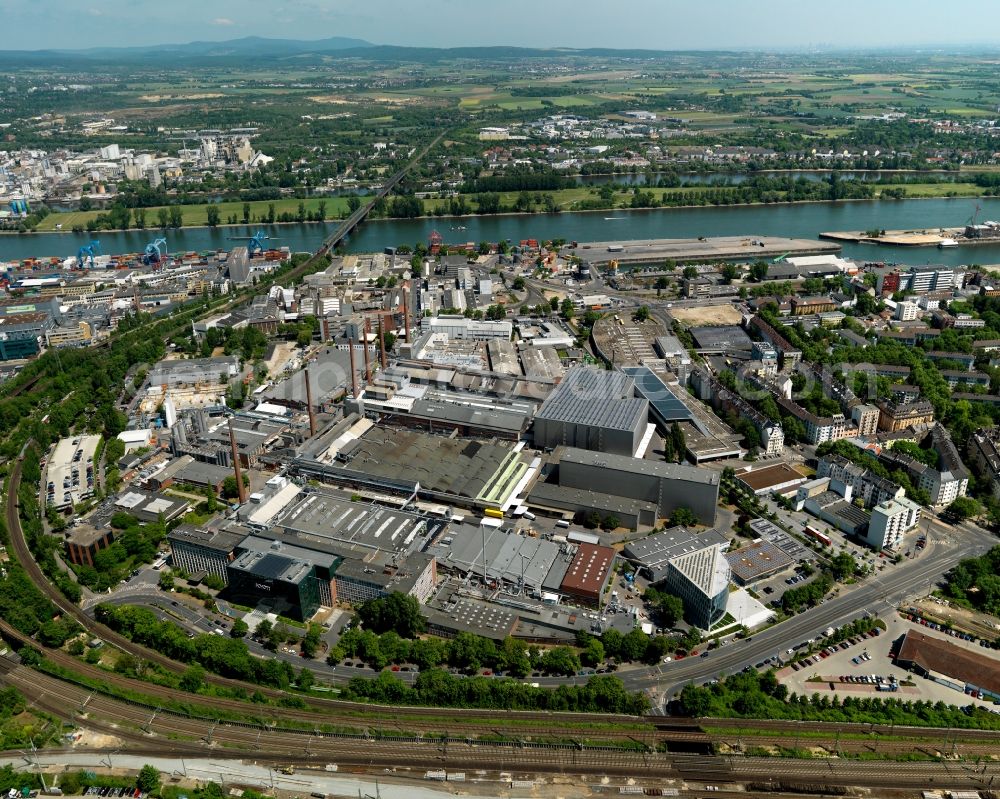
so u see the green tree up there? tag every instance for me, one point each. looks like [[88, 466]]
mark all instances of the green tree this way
[[239, 629], [213, 216], [399, 612], [148, 780], [641, 314], [192, 679], [593, 653], [246, 213], [306, 679], [690, 272], [963, 508], [567, 308], [682, 517], [758, 270], [843, 565]]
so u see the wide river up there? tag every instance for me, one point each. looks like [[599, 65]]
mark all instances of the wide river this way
[[794, 221]]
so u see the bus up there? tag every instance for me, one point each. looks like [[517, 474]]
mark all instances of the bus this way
[[823, 538], [494, 513]]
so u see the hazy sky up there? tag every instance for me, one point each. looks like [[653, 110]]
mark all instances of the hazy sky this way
[[656, 24]]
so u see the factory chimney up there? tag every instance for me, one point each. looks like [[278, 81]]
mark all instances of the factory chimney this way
[[368, 365], [354, 374], [236, 464], [406, 312], [381, 340], [309, 407]]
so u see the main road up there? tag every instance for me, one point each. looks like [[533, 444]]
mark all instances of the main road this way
[[875, 596]]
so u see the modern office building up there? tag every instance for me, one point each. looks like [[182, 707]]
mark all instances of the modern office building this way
[[195, 549], [289, 585], [83, 544], [701, 580]]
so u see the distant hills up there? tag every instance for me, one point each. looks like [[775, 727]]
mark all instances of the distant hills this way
[[234, 49], [264, 49]]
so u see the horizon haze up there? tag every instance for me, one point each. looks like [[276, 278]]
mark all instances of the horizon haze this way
[[786, 25]]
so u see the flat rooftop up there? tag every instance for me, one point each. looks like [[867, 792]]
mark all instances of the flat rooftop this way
[[218, 540], [770, 476], [594, 397], [462, 467], [726, 337], [324, 517], [623, 463], [654, 551], [711, 249], [757, 560]]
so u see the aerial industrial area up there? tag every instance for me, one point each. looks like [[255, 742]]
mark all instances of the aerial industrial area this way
[[475, 489]]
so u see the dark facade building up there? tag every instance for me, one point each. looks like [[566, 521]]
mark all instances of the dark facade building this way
[[290, 586]]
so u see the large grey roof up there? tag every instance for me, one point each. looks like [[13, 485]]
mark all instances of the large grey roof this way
[[594, 397], [655, 551], [624, 463]]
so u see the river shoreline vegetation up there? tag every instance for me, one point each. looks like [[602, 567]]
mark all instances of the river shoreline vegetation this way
[[756, 190]]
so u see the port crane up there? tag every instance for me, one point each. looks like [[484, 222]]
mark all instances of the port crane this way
[[153, 254], [88, 251], [255, 243], [781, 257]]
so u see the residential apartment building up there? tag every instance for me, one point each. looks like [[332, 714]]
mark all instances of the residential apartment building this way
[[890, 520], [984, 453], [895, 416], [865, 417], [864, 483]]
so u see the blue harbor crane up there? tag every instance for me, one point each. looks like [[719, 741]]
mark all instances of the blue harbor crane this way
[[153, 254], [88, 251], [255, 243]]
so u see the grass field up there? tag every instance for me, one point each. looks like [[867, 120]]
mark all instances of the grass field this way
[[566, 200], [194, 215]]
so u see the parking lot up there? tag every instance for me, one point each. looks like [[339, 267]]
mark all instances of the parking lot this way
[[874, 660]]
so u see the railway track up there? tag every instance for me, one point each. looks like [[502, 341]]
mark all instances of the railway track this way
[[165, 731]]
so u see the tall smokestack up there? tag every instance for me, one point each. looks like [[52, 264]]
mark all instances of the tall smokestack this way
[[368, 365], [381, 340], [354, 373], [309, 406], [236, 464], [406, 312]]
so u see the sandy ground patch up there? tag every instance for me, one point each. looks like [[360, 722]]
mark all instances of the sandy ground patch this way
[[707, 315]]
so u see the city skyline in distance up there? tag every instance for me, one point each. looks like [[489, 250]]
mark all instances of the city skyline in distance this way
[[783, 25]]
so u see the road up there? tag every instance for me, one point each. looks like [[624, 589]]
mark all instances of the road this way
[[879, 594], [876, 596]]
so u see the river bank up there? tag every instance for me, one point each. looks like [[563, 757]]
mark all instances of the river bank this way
[[563, 200], [255, 226], [792, 220]]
